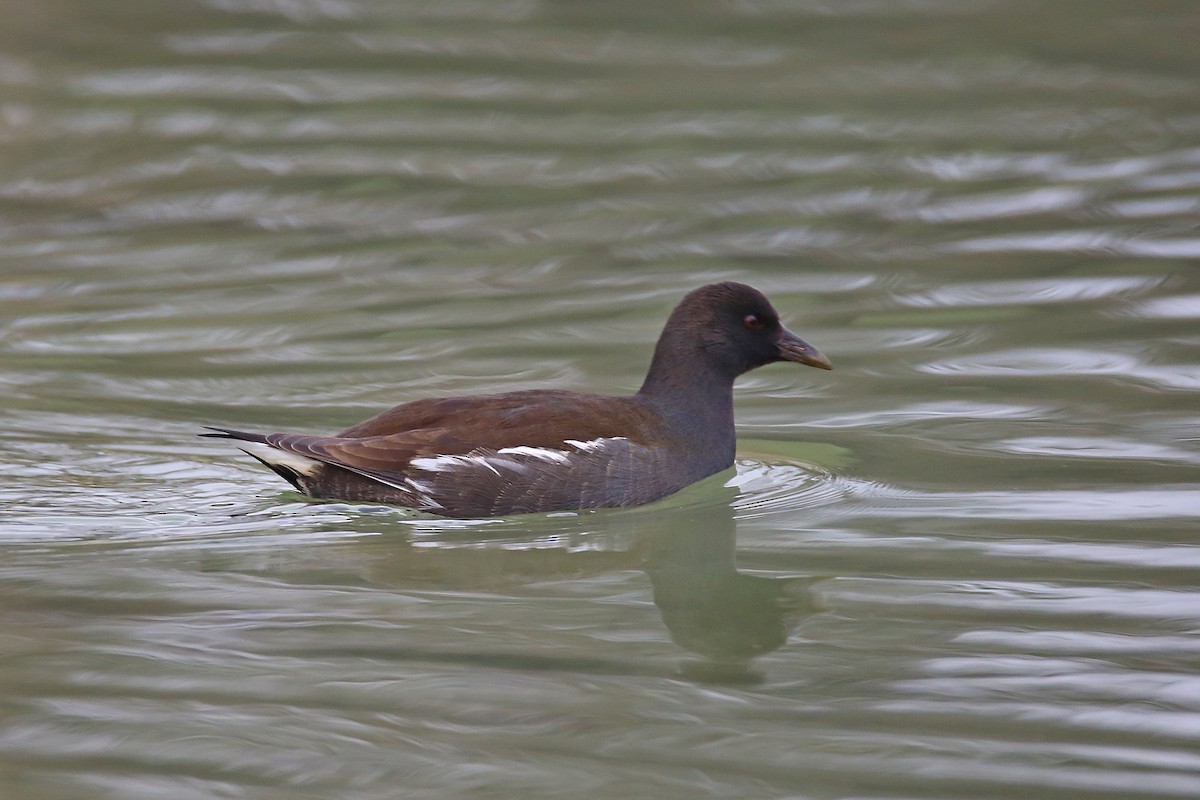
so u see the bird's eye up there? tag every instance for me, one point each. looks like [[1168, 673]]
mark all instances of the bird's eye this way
[[753, 322]]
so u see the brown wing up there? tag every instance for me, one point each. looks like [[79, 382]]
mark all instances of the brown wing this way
[[385, 444], [537, 418], [501, 454]]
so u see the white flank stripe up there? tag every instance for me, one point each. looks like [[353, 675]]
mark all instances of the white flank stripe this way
[[543, 453], [451, 463], [593, 444], [482, 460], [437, 463], [418, 487]]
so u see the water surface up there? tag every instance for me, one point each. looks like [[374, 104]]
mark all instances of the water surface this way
[[962, 565]]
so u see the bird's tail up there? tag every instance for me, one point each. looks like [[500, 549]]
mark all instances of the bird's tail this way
[[289, 466], [229, 433]]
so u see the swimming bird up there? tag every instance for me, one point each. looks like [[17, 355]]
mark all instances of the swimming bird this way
[[552, 450]]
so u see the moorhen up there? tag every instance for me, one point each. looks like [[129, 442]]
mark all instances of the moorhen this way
[[553, 450]]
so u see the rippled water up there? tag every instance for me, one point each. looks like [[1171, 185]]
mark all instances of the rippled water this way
[[963, 564]]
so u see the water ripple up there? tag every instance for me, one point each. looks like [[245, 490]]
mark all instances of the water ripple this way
[[1097, 448], [1180, 306], [1026, 292], [1134, 245], [930, 411], [1063, 361], [993, 206], [310, 86]]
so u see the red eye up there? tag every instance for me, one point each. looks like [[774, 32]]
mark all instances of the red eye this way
[[752, 322]]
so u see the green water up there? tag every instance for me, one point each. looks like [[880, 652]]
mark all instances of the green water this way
[[962, 565]]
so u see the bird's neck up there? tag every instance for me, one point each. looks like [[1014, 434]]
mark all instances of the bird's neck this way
[[695, 399]]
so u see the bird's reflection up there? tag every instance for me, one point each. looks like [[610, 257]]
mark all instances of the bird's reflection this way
[[687, 549], [708, 606]]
